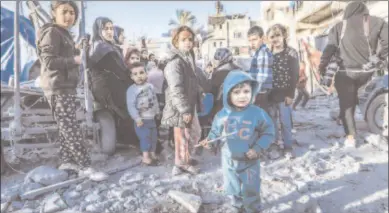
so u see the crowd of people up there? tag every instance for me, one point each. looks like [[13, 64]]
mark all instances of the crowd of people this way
[[253, 108]]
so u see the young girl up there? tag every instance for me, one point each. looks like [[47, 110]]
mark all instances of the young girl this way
[[285, 75], [58, 79], [182, 99], [132, 56], [247, 130]]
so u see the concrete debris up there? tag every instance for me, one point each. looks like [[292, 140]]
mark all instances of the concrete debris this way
[[10, 194], [54, 203], [46, 175], [189, 201]]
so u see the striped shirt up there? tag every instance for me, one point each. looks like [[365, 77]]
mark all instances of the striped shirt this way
[[261, 68]]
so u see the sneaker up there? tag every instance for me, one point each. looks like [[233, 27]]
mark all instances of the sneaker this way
[[69, 166], [93, 174], [350, 143]]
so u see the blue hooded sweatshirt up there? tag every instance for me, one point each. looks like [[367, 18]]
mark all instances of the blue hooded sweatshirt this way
[[255, 129]]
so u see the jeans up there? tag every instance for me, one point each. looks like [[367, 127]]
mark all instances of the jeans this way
[[283, 113], [148, 135], [302, 94]]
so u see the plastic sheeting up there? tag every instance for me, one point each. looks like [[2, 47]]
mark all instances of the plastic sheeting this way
[[27, 45]]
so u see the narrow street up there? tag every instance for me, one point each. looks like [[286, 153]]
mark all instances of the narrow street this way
[[325, 177]]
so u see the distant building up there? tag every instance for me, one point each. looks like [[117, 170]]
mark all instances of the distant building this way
[[229, 31]]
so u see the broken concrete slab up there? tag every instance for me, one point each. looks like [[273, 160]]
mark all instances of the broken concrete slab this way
[[54, 203], [211, 198], [87, 184], [4, 206], [189, 201], [10, 194], [26, 187], [92, 198], [17, 205], [46, 175], [305, 204]]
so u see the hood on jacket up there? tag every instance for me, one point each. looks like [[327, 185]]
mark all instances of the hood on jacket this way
[[173, 52], [117, 31], [234, 78], [355, 8], [98, 28]]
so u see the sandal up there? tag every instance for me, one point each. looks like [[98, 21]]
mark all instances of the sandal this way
[[190, 169], [193, 162], [152, 163]]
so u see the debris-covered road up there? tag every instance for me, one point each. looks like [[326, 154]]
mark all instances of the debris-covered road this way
[[325, 177]]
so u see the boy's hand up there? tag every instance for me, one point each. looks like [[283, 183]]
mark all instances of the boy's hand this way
[[187, 118], [204, 143], [252, 154], [139, 123]]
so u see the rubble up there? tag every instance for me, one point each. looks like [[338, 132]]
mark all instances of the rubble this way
[[53, 203], [46, 175], [189, 201]]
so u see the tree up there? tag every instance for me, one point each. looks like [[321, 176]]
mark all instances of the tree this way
[[184, 17]]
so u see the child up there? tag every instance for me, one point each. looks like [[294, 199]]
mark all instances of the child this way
[[285, 75], [182, 99], [261, 66], [58, 79], [143, 107], [250, 130]]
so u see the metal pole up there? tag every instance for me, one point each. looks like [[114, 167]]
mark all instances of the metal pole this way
[[228, 34], [16, 126], [84, 67]]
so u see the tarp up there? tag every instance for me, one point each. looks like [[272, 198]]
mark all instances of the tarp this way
[[27, 45]]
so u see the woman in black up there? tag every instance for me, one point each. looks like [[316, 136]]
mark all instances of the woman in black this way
[[110, 78], [224, 64], [354, 50]]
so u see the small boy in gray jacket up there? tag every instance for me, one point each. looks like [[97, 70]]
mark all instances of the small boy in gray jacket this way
[[143, 107]]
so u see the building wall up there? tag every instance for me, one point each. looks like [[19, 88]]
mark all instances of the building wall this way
[[237, 37]]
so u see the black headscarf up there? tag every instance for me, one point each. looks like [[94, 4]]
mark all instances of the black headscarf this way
[[100, 46], [355, 8], [117, 31], [98, 28]]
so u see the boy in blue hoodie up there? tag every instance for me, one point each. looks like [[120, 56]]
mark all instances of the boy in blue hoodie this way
[[247, 130]]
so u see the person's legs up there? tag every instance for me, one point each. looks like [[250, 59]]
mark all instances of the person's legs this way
[[305, 97], [251, 188], [232, 184], [70, 137], [347, 93], [285, 115], [144, 133], [274, 114], [298, 99]]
